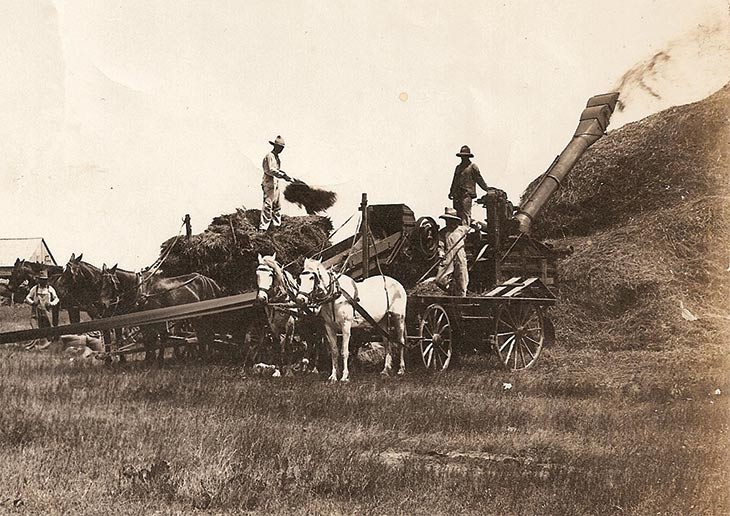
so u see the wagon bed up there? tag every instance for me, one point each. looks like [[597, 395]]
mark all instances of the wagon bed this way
[[511, 320]]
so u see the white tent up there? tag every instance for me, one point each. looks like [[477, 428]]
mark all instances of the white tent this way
[[30, 249]]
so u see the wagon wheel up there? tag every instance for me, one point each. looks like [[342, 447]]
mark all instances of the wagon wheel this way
[[258, 343], [182, 329], [435, 337], [426, 238], [521, 331]]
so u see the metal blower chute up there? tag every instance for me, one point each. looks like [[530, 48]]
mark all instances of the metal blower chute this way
[[511, 250], [593, 124]]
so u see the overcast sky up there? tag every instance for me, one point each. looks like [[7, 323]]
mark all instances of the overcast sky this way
[[117, 118]]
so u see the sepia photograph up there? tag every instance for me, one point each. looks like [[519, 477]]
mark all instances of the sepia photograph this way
[[364, 258]]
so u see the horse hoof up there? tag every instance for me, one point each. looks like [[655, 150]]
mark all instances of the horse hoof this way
[[345, 380], [401, 373]]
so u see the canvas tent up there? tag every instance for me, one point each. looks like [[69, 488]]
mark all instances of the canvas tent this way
[[31, 249]]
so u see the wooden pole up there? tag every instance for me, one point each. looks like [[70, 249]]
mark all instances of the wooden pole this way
[[364, 240], [188, 226]]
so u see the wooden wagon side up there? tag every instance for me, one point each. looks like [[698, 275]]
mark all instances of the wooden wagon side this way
[[510, 320]]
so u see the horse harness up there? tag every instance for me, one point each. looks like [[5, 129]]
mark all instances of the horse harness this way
[[121, 293], [289, 288], [141, 297], [334, 291]]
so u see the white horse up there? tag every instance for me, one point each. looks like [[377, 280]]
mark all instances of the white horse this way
[[382, 297], [275, 284]]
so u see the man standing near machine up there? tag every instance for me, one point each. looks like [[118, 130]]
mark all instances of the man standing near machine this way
[[453, 271], [463, 186]]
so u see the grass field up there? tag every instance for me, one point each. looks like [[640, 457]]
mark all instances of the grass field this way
[[585, 432]]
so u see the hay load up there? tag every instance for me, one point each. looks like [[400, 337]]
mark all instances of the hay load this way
[[313, 200], [227, 250], [647, 211]]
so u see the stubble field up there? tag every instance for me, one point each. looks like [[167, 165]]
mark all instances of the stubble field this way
[[585, 432]]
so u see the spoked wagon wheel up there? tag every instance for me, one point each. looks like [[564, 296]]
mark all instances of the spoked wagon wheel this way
[[435, 338], [521, 331]]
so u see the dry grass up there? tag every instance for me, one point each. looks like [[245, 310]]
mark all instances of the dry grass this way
[[622, 288], [586, 432]]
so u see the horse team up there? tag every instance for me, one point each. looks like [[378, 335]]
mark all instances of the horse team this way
[[317, 293]]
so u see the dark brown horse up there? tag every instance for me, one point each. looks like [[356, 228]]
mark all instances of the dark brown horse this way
[[26, 273], [80, 282], [128, 291]]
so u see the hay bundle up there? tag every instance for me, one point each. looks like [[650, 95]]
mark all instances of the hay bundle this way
[[313, 200], [647, 211], [227, 250]]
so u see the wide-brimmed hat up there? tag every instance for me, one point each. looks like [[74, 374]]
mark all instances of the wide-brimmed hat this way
[[43, 275], [450, 213], [278, 141], [465, 151]]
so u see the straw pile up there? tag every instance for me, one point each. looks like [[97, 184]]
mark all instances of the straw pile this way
[[647, 210], [227, 250], [313, 200]]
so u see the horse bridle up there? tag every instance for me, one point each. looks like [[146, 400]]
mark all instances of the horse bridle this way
[[267, 269], [329, 293], [288, 288], [118, 292]]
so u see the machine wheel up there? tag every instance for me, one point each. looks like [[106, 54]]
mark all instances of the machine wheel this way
[[435, 338], [520, 332], [426, 237], [258, 343]]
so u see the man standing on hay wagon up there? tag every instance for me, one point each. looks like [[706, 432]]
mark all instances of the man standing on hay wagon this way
[[453, 271], [271, 210], [42, 298], [463, 186]]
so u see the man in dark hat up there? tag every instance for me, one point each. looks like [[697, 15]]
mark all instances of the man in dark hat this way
[[463, 186], [271, 210], [42, 298]]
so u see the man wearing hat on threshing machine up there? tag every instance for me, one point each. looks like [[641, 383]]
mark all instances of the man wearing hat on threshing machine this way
[[271, 211], [453, 272], [463, 186], [42, 297]]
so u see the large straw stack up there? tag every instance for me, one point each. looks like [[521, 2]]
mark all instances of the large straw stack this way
[[647, 210]]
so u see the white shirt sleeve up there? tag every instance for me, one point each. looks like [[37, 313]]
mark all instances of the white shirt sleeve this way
[[31, 296], [54, 296], [271, 168]]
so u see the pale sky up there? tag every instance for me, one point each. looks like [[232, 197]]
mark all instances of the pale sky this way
[[117, 118]]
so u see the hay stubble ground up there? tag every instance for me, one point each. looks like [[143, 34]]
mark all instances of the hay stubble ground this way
[[585, 432]]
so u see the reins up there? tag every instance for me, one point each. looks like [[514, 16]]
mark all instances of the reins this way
[[145, 297]]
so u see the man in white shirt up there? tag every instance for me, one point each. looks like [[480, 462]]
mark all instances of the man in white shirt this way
[[42, 298], [453, 272], [271, 210]]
